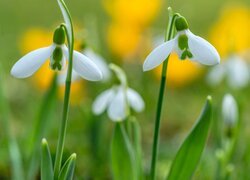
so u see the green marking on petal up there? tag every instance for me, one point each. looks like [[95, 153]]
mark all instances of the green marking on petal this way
[[183, 41], [56, 59]]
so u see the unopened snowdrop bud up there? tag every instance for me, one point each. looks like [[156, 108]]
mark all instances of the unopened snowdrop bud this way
[[181, 23], [59, 36], [230, 113]]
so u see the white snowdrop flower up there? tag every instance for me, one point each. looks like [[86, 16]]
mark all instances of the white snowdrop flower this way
[[234, 70], [100, 62], [186, 45], [118, 99], [58, 53], [230, 112]]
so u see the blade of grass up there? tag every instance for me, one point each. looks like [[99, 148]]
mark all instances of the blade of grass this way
[[67, 172], [46, 162], [44, 115], [122, 155], [189, 154], [14, 150]]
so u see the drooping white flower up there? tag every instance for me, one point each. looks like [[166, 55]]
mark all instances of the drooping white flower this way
[[235, 70], [58, 54], [186, 45], [118, 99], [230, 112]]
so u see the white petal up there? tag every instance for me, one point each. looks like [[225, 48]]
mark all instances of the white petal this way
[[66, 17], [158, 55], [135, 100], [202, 50], [102, 101], [216, 75], [237, 72], [31, 62], [100, 62], [229, 110], [84, 67], [117, 110]]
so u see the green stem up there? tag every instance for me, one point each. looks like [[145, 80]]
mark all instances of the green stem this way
[[168, 36], [63, 127]]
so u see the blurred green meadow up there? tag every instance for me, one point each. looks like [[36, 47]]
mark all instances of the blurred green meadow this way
[[126, 41]]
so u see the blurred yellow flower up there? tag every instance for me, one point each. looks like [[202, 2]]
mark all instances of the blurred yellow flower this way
[[36, 38], [129, 19], [133, 12], [180, 72], [231, 32], [123, 40]]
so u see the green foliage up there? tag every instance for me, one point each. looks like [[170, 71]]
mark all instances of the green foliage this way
[[46, 162], [122, 155], [190, 152], [67, 172]]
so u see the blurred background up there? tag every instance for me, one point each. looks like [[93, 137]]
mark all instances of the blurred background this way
[[124, 32]]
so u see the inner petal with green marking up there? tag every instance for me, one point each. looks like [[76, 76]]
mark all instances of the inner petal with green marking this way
[[56, 60], [183, 45]]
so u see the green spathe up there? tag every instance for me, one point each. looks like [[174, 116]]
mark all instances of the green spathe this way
[[59, 36], [181, 23]]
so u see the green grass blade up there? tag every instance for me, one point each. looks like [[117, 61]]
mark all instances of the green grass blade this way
[[190, 152], [45, 114], [46, 162], [15, 155], [137, 147], [67, 172], [122, 155]]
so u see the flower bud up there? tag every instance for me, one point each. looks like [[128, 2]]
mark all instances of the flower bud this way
[[229, 110]]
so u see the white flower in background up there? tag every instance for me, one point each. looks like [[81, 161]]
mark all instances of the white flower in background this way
[[186, 45], [100, 62], [234, 70], [230, 112], [58, 53], [118, 100]]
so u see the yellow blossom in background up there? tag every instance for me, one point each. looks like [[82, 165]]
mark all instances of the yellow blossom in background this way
[[129, 20], [133, 12], [180, 72], [231, 31], [123, 40], [36, 38]]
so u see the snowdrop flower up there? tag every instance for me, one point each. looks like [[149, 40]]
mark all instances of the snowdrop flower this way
[[186, 45], [118, 99], [229, 110], [234, 69], [58, 53]]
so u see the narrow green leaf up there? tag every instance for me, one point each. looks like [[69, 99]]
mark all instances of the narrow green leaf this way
[[137, 147], [122, 155], [15, 155], [44, 116], [67, 172], [46, 162], [189, 154]]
